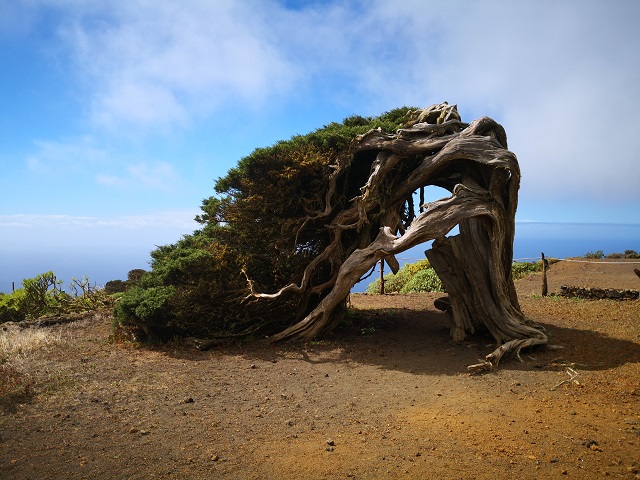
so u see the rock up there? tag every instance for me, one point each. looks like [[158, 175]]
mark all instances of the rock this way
[[330, 442], [188, 400], [598, 293]]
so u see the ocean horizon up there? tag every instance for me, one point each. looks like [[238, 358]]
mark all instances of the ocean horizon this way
[[103, 263], [555, 240]]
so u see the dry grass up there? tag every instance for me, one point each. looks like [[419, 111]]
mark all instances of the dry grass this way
[[17, 349]]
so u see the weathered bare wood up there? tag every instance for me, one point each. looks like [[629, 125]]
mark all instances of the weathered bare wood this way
[[545, 285], [472, 162]]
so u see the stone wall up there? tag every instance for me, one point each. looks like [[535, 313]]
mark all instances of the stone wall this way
[[598, 293]]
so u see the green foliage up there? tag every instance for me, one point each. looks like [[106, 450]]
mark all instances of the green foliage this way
[[38, 296], [147, 306], [421, 277], [135, 276], [260, 230], [426, 280], [84, 297], [11, 306], [597, 255], [42, 295], [630, 254], [522, 269], [134, 279], [115, 286], [189, 291], [399, 282]]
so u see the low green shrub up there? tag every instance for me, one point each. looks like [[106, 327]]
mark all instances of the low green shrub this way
[[522, 269], [403, 281], [43, 295], [11, 306], [426, 280], [421, 277], [148, 306]]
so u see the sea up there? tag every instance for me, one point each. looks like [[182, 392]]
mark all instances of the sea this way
[[556, 240]]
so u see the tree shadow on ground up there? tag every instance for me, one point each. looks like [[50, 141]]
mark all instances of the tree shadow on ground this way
[[419, 342]]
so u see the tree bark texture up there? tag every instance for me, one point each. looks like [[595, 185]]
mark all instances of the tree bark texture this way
[[473, 163]]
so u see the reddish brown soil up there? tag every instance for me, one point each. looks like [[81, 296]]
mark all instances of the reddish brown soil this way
[[386, 396]]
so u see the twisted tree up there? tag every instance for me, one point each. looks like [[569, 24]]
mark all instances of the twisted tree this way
[[469, 160], [296, 225]]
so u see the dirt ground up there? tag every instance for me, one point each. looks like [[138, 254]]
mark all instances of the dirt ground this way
[[386, 396]]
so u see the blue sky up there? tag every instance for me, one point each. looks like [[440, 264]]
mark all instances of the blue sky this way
[[116, 117]]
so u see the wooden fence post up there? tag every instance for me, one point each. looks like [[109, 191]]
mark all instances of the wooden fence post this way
[[381, 276], [544, 276]]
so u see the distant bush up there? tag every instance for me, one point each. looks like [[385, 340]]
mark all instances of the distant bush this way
[[599, 254], [412, 277], [115, 286], [421, 277], [134, 277], [393, 283], [522, 269], [11, 306], [43, 295], [38, 296], [426, 280]]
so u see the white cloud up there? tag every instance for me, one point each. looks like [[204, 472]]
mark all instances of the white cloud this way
[[54, 156], [562, 77], [110, 180], [159, 176], [154, 64]]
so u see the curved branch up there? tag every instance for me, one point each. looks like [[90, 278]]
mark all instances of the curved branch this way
[[473, 163]]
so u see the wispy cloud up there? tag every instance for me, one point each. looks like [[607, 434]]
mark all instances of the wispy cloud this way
[[563, 81], [150, 64], [159, 175], [56, 156], [563, 78]]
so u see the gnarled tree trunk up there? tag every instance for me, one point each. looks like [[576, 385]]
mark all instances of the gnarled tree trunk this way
[[473, 163]]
